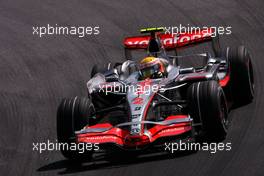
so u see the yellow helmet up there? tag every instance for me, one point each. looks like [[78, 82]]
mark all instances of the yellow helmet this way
[[151, 67]]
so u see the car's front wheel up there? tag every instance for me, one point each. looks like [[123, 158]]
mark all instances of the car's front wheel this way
[[72, 115], [208, 106]]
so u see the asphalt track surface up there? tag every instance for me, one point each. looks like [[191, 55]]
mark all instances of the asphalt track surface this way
[[36, 73]]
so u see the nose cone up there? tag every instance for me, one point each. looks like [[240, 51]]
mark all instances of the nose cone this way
[[136, 140], [139, 97]]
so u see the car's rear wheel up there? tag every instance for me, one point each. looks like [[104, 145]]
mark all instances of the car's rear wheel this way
[[208, 106], [72, 115], [241, 75]]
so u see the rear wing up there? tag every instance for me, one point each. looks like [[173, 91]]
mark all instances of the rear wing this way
[[173, 41]]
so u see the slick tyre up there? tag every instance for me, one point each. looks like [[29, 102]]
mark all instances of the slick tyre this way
[[101, 68], [101, 100], [208, 106], [241, 75], [72, 115]]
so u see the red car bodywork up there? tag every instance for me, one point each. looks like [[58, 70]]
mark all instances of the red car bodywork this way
[[122, 137], [170, 41]]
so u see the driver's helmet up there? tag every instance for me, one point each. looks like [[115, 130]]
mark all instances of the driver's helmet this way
[[152, 67]]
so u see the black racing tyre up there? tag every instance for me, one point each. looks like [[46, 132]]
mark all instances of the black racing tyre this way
[[241, 75], [216, 45], [72, 115], [101, 68], [207, 105], [99, 103]]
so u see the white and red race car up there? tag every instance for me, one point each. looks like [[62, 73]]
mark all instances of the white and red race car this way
[[126, 112]]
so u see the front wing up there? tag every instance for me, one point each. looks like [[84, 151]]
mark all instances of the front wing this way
[[107, 134]]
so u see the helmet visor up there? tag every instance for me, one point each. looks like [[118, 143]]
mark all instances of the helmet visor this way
[[149, 71]]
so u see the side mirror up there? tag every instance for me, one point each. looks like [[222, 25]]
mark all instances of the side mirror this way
[[112, 79]]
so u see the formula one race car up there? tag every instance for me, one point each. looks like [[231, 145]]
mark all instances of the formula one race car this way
[[136, 105]]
